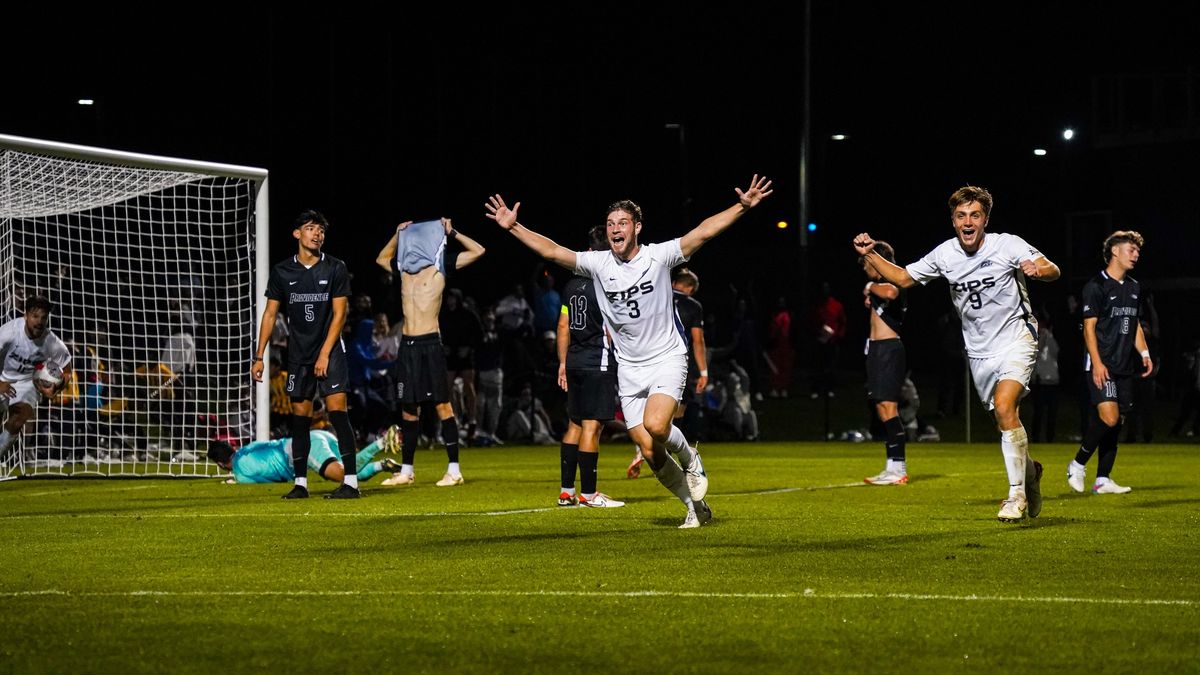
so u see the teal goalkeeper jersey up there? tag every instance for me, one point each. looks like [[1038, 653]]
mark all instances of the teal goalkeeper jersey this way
[[263, 462], [271, 461]]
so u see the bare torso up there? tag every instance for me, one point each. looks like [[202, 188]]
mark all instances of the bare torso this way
[[421, 300], [879, 328]]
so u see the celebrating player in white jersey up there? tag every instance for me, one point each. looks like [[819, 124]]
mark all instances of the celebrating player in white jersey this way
[[987, 286], [36, 364], [634, 282]]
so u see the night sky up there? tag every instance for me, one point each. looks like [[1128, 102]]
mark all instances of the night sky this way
[[374, 120]]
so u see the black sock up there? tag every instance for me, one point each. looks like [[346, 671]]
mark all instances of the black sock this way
[[450, 438], [568, 454], [587, 472], [1091, 438], [340, 420], [896, 438], [410, 431], [301, 445], [1108, 451]]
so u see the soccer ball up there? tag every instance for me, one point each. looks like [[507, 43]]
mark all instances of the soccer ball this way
[[47, 376]]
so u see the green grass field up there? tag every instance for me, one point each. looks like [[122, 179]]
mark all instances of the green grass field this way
[[803, 569]]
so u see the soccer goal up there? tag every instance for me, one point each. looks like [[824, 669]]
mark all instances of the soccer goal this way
[[156, 267]]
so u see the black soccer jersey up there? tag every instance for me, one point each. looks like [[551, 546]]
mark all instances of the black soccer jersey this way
[[691, 315], [590, 348], [1114, 304], [891, 311], [307, 297]]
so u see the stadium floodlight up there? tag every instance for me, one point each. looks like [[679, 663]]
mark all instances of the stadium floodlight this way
[[86, 101], [133, 249], [1040, 152], [839, 137], [1068, 134]]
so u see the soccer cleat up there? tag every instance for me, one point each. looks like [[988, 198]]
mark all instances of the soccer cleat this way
[[1012, 510], [691, 521], [635, 467], [886, 477], [450, 480], [401, 479], [390, 441], [390, 464], [1076, 477], [567, 499], [298, 492], [344, 492], [598, 501], [697, 480], [1033, 487], [1108, 487], [703, 513]]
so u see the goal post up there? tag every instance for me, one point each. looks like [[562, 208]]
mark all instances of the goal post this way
[[156, 267]]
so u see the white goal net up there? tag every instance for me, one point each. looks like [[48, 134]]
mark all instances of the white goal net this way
[[151, 266]]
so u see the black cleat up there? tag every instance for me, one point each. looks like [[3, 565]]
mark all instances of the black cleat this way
[[298, 492], [344, 492]]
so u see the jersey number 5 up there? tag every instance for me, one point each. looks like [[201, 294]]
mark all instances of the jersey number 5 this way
[[309, 315]]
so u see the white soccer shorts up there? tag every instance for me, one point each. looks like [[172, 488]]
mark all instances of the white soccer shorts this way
[[1015, 364], [23, 392], [635, 384]]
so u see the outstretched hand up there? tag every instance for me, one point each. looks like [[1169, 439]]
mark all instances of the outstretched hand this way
[[499, 212], [864, 244], [760, 189]]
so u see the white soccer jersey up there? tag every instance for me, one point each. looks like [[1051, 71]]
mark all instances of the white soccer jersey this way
[[987, 288], [22, 356], [636, 300]]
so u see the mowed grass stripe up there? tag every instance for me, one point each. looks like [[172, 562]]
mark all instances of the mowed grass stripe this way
[[611, 594]]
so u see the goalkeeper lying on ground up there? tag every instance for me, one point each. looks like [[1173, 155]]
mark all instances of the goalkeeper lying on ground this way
[[271, 461]]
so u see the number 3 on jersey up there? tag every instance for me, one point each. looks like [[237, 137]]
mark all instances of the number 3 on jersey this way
[[634, 312]]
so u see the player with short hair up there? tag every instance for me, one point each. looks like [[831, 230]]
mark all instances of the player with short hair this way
[[886, 364], [313, 287], [271, 461], [634, 282], [587, 371], [1111, 333], [987, 287], [419, 254], [36, 363]]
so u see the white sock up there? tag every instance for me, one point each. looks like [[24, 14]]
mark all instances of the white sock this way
[[351, 480], [302, 481], [452, 469], [570, 491], [897, 466], [1014, 443], [671, 476], [677, 444], [1076, 466], [406, 469], [6, 439]]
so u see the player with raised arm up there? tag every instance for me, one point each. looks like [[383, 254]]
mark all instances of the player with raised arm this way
[[886, 364], [419, 254], [1111, 334], [313, 287], [987, 275], [633, 282], [36, 363]]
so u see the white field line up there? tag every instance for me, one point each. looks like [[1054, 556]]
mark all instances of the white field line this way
[[809, 594], [93, 489], [144, 516]]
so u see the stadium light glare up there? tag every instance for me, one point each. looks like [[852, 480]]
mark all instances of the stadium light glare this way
[[86, 101], [1068, 134], [1040, 152], [839, 137], [783, 225]]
